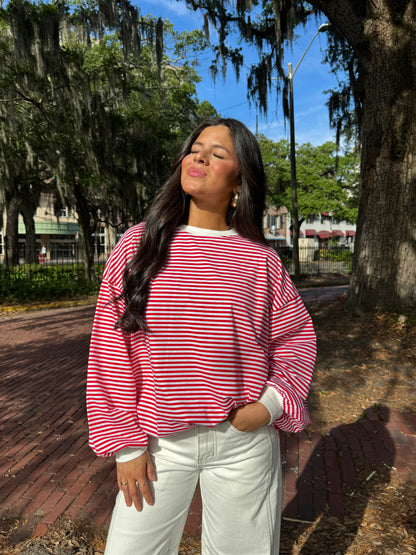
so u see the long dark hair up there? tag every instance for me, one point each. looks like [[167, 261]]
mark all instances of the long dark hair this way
[[170, 208]]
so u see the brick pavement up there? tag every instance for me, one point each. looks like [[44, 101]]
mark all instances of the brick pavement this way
[[47, 468]]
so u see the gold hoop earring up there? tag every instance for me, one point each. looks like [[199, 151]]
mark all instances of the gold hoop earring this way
[[234, 200]]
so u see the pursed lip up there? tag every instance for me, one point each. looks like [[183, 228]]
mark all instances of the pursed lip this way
[[195, 172]]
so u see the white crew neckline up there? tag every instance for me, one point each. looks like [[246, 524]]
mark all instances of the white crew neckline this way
[[207, 232]]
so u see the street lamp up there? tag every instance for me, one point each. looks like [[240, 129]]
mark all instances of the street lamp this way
[[293, 183]]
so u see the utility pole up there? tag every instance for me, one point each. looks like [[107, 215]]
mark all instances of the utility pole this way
[[293, 181]]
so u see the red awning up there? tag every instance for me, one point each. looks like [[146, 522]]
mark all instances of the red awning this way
[[337, 233], [310, 233], [324, 235], [350, 233], [325, 213]]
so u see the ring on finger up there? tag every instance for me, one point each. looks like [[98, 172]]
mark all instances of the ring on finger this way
[[142, 485], [123, 484]]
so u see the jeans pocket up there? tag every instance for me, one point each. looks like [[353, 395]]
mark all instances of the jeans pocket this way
[[237, 431]]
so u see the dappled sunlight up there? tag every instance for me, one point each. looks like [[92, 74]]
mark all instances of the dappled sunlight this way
[[361, 363]]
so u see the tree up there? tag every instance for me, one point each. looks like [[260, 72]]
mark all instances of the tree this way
[[109, 107], [21, 172], [328, 181], [22, 178], [382, 78], [46, 74], [277, 167], [383, 37]]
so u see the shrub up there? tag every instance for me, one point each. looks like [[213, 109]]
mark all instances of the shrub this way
[[35, 282], [337, 255]]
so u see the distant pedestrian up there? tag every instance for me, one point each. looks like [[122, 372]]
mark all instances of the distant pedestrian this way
[[42, 255], [201, 350]]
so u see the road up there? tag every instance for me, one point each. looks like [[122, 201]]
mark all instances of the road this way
[[327, 293]]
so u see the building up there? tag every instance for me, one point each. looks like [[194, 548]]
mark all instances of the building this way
[[275, 226], [323, 229], [58, 235], [317, 230]]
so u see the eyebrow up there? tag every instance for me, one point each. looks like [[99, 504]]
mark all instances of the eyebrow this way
[[213, 146]]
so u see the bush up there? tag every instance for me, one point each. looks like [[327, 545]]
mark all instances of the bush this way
[[337, 255], [32, 282]]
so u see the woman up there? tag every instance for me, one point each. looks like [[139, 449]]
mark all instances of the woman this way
[[201, 350]]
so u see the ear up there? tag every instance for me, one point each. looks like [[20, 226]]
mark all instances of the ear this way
[[237, 189]]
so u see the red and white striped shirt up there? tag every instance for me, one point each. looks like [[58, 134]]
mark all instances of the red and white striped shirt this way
[[225, 321]]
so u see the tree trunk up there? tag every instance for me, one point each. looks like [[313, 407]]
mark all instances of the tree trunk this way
[[383, 35], [84, 220], [31, 256], [12, 236], [384, 268]]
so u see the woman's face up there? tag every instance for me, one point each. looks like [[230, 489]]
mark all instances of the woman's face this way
[[210, 172]]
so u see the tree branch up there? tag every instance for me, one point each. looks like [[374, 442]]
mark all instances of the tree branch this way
[[31, 101], [344, 14]]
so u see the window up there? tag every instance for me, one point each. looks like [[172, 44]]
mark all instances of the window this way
[[99, 241], [271, 221], [62, 212], [62, 250]]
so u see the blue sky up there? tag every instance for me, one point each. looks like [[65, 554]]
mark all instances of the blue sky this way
[[229, 97]]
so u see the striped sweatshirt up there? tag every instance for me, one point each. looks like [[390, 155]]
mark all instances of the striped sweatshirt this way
[[225, 322]]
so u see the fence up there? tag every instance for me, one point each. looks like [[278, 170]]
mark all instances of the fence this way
[[312, 261], [58, 255], [47, 280], [65, 277]]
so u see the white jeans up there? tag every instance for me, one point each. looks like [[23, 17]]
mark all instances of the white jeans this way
[[240, 481]]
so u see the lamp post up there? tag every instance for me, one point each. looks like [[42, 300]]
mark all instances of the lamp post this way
[[293, 183]]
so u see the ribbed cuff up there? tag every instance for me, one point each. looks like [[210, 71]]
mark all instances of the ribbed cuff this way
[[129, 453], [273, 402]]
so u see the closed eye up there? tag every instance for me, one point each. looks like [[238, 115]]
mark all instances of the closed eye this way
[[213, 154]]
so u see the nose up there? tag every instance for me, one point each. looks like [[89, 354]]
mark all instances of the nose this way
[[201, 157]]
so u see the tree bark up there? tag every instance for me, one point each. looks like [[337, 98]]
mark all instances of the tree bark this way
[[12, 236], [28, 205], [384, 268], [84, 220], [31, 256], [383, 35]]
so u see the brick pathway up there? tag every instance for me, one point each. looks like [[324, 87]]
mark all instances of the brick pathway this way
[[47, 468]]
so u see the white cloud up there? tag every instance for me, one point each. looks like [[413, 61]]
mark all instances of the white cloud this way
[[161, 7]]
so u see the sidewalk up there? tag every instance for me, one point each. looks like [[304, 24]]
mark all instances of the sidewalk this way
[[47, 468]]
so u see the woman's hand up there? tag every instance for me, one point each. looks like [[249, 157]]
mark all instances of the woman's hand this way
[[133, 479], [249, 417]]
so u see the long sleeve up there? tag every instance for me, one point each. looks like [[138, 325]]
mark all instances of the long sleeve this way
[[226, 325], [113, 374], [292, 353]]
